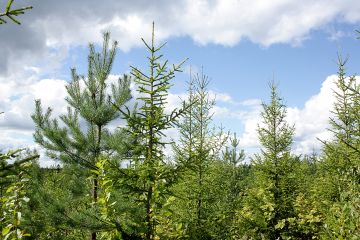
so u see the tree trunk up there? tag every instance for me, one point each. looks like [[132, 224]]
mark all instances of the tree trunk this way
[[149, 234], [95, 189]]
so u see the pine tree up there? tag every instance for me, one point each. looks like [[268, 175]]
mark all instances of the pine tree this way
[[80, 138], [59, 206]]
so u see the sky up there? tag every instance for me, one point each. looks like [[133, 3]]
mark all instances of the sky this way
[[241, 45]]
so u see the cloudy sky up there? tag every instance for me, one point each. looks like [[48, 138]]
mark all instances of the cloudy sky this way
[[241, 45]]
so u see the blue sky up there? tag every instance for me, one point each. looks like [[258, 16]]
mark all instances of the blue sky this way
[[241, 45], [244, 70]]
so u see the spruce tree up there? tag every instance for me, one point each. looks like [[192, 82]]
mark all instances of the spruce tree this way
[[233, 158], [80, 137], [199, 146], [184, 149], [227, 180], [270, 199], [339, 176], [148, 177], [234, 182], [345, 123]]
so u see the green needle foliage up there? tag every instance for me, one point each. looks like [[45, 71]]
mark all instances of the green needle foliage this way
[[81, 137], [340, 177], [345, 124], [12, 13], [150, 174], [235, 173], [275, 134], [196, 155], [270, 200], [8, 169]]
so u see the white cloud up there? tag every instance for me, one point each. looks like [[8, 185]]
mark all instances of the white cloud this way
[[249, 137], [12, 139], [53, 26], [226, 22], [18, 101], [220, 97], [245, 113], [311, 121], [40, 46]]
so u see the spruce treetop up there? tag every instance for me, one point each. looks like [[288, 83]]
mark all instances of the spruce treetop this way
[[275, 134]]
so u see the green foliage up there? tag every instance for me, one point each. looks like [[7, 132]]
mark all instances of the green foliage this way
[[12, 13], [121, 185], [346, 121], [82, 136], [57, 195], [270, 198], [8, 169], [233, 175], [339, 174], [342, 218], [275, 135], [12, 203], [197, 156], [14, 192], [91, 103], [105, 203], [149, 174]]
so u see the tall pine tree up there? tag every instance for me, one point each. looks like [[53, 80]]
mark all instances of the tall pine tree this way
[[80, 138]]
